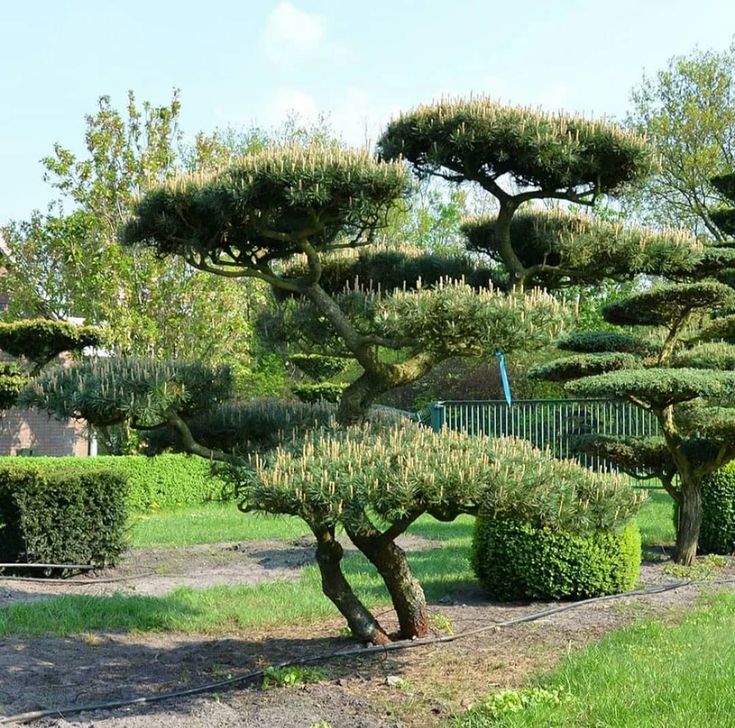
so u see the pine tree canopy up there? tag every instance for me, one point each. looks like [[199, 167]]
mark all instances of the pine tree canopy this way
[[583, 365], [265, 206], [669, 305], [481, 140], [593, 342], [724, 217], [659, 387], [585, 249]]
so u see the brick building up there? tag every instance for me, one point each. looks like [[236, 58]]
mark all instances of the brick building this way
[[26, 432]]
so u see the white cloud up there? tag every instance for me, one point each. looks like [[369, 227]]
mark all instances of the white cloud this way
[[287, 102], [291, 34]]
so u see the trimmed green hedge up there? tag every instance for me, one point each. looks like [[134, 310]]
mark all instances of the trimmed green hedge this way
[[63, 514], [518, 562], [718, 520], [163, 481]]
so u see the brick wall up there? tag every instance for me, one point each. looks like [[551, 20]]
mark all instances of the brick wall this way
[[24, 430]]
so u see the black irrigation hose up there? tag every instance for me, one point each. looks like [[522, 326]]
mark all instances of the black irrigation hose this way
[[78, 582], [352, 652], [76, 567]]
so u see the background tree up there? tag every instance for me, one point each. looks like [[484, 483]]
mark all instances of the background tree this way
[[68, 262], [687, 111]]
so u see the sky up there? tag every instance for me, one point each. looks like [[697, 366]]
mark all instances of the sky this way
[[252, 62]]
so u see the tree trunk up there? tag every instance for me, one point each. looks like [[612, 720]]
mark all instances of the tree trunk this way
[[336, 587], [690, 521], [357, 399], [405, 590]]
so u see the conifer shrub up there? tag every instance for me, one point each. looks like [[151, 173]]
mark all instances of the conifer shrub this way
[[517, 561], [64, 514], [718, 513]]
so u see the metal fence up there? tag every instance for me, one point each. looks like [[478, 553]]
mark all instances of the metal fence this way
[[551, 423]]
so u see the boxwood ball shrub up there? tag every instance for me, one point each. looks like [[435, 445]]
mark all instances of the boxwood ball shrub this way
[[717, 535], [516, 561], [64, 514]]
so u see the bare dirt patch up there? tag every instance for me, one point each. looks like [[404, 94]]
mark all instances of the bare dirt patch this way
[[417, 687]]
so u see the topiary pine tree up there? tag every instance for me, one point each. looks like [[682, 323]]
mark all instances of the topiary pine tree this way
[[688, 385], [33, 344], [250, 219]]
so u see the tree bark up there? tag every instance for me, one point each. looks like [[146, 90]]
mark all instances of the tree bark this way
[[405, 590], [357, 399], [690, 521], [336, 587]]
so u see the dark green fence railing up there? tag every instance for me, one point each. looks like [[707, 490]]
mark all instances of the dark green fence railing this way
[[547, 423]]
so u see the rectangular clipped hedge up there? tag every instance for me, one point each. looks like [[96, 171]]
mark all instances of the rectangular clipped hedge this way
[[162, 481], [61, 514]]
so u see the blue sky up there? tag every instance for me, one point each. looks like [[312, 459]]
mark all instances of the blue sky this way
[[250, 62]]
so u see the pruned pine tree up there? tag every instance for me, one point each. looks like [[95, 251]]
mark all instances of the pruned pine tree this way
[[32, 344], [671, 371], [252, 218]]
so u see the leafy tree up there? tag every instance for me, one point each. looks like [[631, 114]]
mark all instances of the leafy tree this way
[[69, 263], [687, 110]]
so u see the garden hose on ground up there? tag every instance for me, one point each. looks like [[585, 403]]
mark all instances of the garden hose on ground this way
[[351, 652]]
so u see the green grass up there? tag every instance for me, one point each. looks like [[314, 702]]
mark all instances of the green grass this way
[[645, 676], [210, 523], [226, 609], [656, 520], [231, 608]]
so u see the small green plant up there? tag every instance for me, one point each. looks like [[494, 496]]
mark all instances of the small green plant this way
[[321, 724], [499, 705], [704, 568], [287, 677], [441, 623]]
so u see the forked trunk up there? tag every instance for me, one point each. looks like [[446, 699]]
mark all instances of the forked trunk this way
[[409, 601], [357, 399], [689, 522], [335, 586]]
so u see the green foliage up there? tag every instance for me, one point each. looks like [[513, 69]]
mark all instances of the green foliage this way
[[482, 140], [724, 217], [718, 355], [62, 264], [582, 365], [288, 677], [454, 320], [319, 391], [318, 366], [255, 425], [62, 515], [40, 340], [585, 248], [667, 305], [400, 470], [393, 267], [153, 483], [138, 391], [660, 387], [516, 561], [505, 703], [598, 342], [718, 513], [264, 207], [641, 457], [12, 383]]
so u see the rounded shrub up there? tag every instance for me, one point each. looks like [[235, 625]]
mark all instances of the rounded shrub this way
[[516, 561], [717, 535]]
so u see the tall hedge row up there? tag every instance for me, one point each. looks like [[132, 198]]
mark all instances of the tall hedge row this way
[[62, 514], [163, 481]]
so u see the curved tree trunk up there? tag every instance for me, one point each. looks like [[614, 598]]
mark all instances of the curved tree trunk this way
[[357, 399], [405, 590], [336, 587], [690, 521]]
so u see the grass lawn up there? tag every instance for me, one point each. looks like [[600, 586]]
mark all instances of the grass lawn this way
[[231, 608], [646, 676]]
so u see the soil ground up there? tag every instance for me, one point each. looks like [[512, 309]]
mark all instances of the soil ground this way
[[408, 689]]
